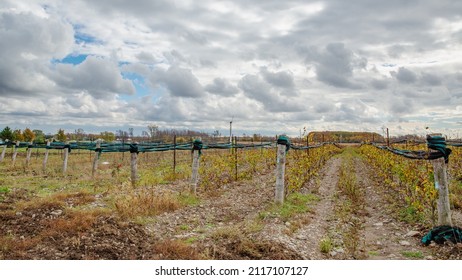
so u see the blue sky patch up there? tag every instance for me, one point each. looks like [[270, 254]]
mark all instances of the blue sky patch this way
[[74, 59], [139, 82]]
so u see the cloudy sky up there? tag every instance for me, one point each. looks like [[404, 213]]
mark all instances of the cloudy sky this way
[[273, 66]]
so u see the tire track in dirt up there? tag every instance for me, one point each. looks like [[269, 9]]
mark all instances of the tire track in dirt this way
[[306, 241], [316, 230], [383, 237]]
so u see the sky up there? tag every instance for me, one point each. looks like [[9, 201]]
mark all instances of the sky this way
[[269, 66]]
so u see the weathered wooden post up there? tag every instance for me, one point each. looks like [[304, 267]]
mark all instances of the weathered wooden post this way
[[66, 157], [235, 158], [15, 152], [45, 159], [174, 155], [133, 163], [438, 143], [283, 145], [29, 153], [2, 156], [196, 151], [96, 158]]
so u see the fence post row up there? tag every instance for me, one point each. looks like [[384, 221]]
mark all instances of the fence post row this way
[[283, 145]]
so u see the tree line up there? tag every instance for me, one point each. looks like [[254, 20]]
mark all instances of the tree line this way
[[153, 134]]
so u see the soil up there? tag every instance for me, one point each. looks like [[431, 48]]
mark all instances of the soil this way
[[235, 222]]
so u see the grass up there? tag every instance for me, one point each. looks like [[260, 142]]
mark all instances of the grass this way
[[176, 250], [411, 215], [295, 203], [374, 253], [350, 202], [4, 190], [326, 245], [413, 254], [144, 202]]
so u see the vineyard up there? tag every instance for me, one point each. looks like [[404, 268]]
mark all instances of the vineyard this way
[[84, 201]]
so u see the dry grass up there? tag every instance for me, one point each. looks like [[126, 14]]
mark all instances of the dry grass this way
[[175, 250], [145, 202], [74, 222]]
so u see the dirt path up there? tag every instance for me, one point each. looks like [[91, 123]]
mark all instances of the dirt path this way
[[306, 240], [378, 234], [383, 237]]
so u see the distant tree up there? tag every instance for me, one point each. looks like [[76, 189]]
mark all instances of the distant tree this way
[[39, 136], [107, 136], [61, 136], [17, 135], [130, 132], [79, 134], [6, 133], [28, 135], [153, 130]]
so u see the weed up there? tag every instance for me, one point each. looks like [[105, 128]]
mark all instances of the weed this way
[[183, 227], [191, 240], [296, 203], [411, 215], [326, 245], [413, 254], [175, 250], [4, 190], [145, 203], [74, 222], [187, 199]]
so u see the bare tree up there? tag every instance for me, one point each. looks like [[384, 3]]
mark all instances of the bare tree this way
[[153, 130]]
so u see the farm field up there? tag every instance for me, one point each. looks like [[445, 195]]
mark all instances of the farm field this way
[[346, 202]]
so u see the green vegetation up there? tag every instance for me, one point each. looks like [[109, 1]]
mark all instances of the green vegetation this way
[[326, 245], [413, 254]]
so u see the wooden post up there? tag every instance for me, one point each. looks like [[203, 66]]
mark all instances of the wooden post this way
[[195, 172], [66, 157], [29, 153], [280, 169], [2, 156], [174, 155], [388, 138], [235, 158], [15, 151], [134, 165], [440, 173], [441, 183], [96, 158], [47, 150]]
